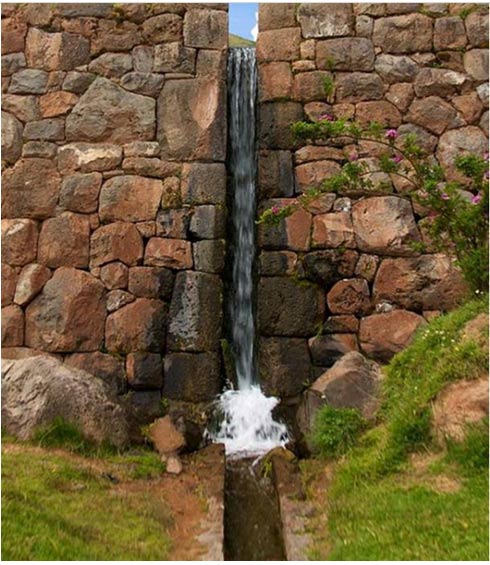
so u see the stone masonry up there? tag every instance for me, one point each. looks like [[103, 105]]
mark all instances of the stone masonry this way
[[343, 274], [114, 185]]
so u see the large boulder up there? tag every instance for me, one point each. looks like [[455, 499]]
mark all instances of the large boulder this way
[[39, 389]]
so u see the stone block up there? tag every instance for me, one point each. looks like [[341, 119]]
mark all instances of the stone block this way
[[345, 323], [279, 45], [275, 174], [114, 275], [171, 253], [56, 51], [275, 81], [89, 157], [357, 87], [144, 371], [345, 54], [208, 222], [174, 58], [310, 86], [476, 64], [78, 81], [333, 230], [378, 111], [276, 16], [312, 174], [119, 241], [277, 263], [449, 33], [68, 315], [462, 141], [477, 29], [291, 233], [52, 129], [107, 367], [439, 82], [19, 241], [57, 103], [112, 35], [349, 296], [329, 266], [30, 189], [325, 20], [409, 33], [432, 113], [29, 81], [151, 282], [12, 326], [192, 377], [139, 326], [325, 350], [209, 255], [80, 192], [116, 299], [275, 119], [11, 138], [287, 308], [173, 223], [163, 28], [14, 31], [196, 312], [24, 108], [203, 183], [9, 282], [111, 65], [396, 68], [206, 29], [147, 84]]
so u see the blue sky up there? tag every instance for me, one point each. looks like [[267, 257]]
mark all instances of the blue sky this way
[[242, 18]]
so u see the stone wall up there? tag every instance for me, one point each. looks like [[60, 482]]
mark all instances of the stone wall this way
[[114, 185], [342, 275]]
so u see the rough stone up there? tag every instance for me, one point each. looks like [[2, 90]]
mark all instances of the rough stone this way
[[477, 29], [275, 119], [68, 315], [114, 275], [325, 350], [12, 326], [292, 232], [328, 267], [423, 138], [356, 87], [119, 241], [209, 255], [11, 138], [40, 149], [171, 253], [163, 28], [139, 326], [476, 64], [410, 33], [64, 241], [197, 130], [469, 105], [345, 54], [379, 111], [211, 63], [333, 230], [24, 108], [367, 266], [89, 157], [114, 35], [116, 299], [284, 365], [207, 222], [147, 84], [172, 223], [275, 81], [144, 370], [322, 204], [80, 192], [364, 26], [192, 377], [396, 68], [279, 45], [462, 141], [166, 438], [317, 153], [277, 263], [482, 91], [107, 112], [349, 296], [325, 20], [111, 65], [56, 51], [151, 282], [341, 324], [449, 33], [130, 198], [276, 16], [439, 82], [384, 225], [428, 282], [203, 183], [77, 81], [29, 81], [287, 308], [57, 103], [104, 366], [383, 335], [13, 35], [143, 58], [19, 241], [174, 58], [195, 312], [311, 175], [9, 282], [39, 389], [141, 149], [310, 86], [275, 174], [173, 465], [150, 167], [206, 29], [146, 405], [48, 130]]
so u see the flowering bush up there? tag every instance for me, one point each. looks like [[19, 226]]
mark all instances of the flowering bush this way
[[457, 211]]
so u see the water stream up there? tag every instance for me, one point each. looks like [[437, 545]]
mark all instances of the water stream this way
[[247, 426]]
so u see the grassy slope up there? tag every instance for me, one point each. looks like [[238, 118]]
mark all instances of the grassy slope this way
[[56, 506], [237, 41], [378, 506]]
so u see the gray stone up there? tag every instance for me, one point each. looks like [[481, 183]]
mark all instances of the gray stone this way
[[41, 149], [29, 81], [143, 56], [439, 82], [277, 263], [24, 108], [144, 370], [163, 28], [84, 10], [207, 29], [203, 183], [287, 308], [12, 63], [462, 141], [209, 255], [329, 266], [345, 54], [356, 87], [174, 58], [449, 33], [192, 377], [410, 33], [173, 223], [151, 282], [111, 65], [195, 312], [78, 82], [208, 222], [31, 280], [11, 138], [148, 84], [423, 138], [104, 366], [118, 298], [476, 64], [477, 29], [325, 20], [37, 390], [56, 51], [107, 112], [80, 192], [51, 129], [276, 15], [364, 26], [325, 350], [396, 68], [275, 119], [284, 366], [198, 130], [275, 175]]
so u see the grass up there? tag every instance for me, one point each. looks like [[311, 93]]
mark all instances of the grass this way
[[379, 507], [84, 503], [237, 41]]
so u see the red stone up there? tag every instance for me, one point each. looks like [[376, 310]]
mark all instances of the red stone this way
[[19, 241], [119, 241], [9, 281], [349, 296], [172, 253], [333, 230], [31, 280], [12, 326]]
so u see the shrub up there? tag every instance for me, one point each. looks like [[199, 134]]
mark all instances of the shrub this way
[[335, 430]]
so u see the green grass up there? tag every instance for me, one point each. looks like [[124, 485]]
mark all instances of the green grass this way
[[237, 41], [55, 508], [335, 430], [378, 508]]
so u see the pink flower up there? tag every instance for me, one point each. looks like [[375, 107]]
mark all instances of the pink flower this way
[[391, 134], [485, 156], [444, 196], [433, 214], [327, 117], [485, 176], [476, 199], [352, 157], [275, 209], [397, 159]]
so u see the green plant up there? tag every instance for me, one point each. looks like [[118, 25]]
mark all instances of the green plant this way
[[457, 210], [329, 85], [472, 453], [335, 430]]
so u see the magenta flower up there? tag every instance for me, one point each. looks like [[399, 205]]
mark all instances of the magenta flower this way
[[476, 199], [444, 196], [391, 134], [326, 117], [275, 209], [352, 157], [433, 214], [485, 176], [397, 159]]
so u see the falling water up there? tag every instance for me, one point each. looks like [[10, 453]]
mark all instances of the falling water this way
[[247, 425]]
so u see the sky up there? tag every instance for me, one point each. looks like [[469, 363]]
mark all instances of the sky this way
[[243, 19]]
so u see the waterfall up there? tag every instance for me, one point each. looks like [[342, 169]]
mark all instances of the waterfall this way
[[247, 425]]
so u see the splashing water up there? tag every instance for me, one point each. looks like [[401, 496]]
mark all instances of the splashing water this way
[[247, 426]]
